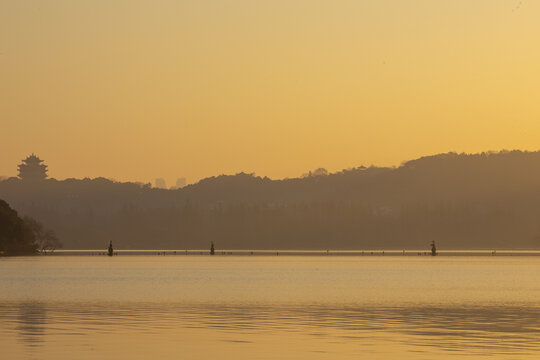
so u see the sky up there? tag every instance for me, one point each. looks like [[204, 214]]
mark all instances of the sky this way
[[137, 90]]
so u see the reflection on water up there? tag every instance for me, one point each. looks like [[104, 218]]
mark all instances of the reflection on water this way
[[326, 308], [30, 320], [488, 330]]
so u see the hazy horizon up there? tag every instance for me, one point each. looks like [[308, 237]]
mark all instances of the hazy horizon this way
[[171, 182], [137, 91], [463, 201]]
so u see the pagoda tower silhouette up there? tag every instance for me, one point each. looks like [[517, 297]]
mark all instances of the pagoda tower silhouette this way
[[32, 169]]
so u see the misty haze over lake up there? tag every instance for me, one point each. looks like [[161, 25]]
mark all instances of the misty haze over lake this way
[[486, 201]]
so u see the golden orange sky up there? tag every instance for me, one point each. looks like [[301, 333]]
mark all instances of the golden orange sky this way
[[135, 90]]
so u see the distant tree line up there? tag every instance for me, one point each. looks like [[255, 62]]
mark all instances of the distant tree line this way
[[487, 200]]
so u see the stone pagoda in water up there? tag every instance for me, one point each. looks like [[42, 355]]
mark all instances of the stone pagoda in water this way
[[32, 169]]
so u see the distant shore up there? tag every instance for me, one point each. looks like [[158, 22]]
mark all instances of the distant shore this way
[[199, 252]]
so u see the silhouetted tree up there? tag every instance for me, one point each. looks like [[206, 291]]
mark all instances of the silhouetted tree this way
[[16, 237], [45, 239]]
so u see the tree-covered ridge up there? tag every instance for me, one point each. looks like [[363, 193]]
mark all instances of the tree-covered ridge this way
[[488, 200]]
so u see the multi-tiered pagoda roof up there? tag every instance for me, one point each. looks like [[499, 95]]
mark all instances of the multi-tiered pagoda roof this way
[[32, 169]]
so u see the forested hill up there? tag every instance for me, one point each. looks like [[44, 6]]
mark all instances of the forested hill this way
[[488, 200]]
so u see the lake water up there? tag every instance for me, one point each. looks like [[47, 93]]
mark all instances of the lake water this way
[[269, 307]]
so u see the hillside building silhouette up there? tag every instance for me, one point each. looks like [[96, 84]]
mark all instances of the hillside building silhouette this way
[[32, 169], [160, 183], [180, 183]]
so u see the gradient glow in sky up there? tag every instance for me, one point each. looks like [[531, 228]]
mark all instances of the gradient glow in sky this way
[[135, 90]]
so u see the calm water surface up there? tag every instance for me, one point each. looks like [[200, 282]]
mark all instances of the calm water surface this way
[[264, 307]]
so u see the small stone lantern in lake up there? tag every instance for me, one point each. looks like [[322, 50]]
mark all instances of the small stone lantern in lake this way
[[433, 249]]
